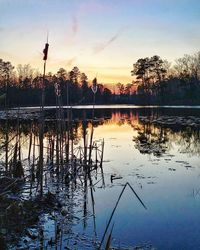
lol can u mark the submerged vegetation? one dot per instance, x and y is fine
(73, 171)
(69, 164)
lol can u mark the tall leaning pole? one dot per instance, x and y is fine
(41, 131)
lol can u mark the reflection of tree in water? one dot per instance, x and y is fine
(26, 127)
(188, 140)
(157, 139)
(151, 140)
(78, 173)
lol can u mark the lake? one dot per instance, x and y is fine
(157, 151)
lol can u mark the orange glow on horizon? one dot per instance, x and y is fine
(104, 75)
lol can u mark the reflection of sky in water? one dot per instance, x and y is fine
(164, 183)
(167, 184)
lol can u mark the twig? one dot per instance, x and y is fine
(108, 224)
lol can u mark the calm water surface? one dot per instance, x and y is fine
(161, 161)
(167, 182)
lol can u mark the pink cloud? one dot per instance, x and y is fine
(104, 45)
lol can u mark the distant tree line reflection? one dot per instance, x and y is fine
(156, 133)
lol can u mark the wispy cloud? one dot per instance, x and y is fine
(75, 25)
(99, 48)
(103, 46)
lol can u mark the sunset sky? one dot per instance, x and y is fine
(101, 37)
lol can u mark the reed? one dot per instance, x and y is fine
(115, 207)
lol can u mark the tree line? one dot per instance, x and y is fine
(23, 86)
(155, 81)
(160, 82)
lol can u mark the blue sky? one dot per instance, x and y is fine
(99, 36)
